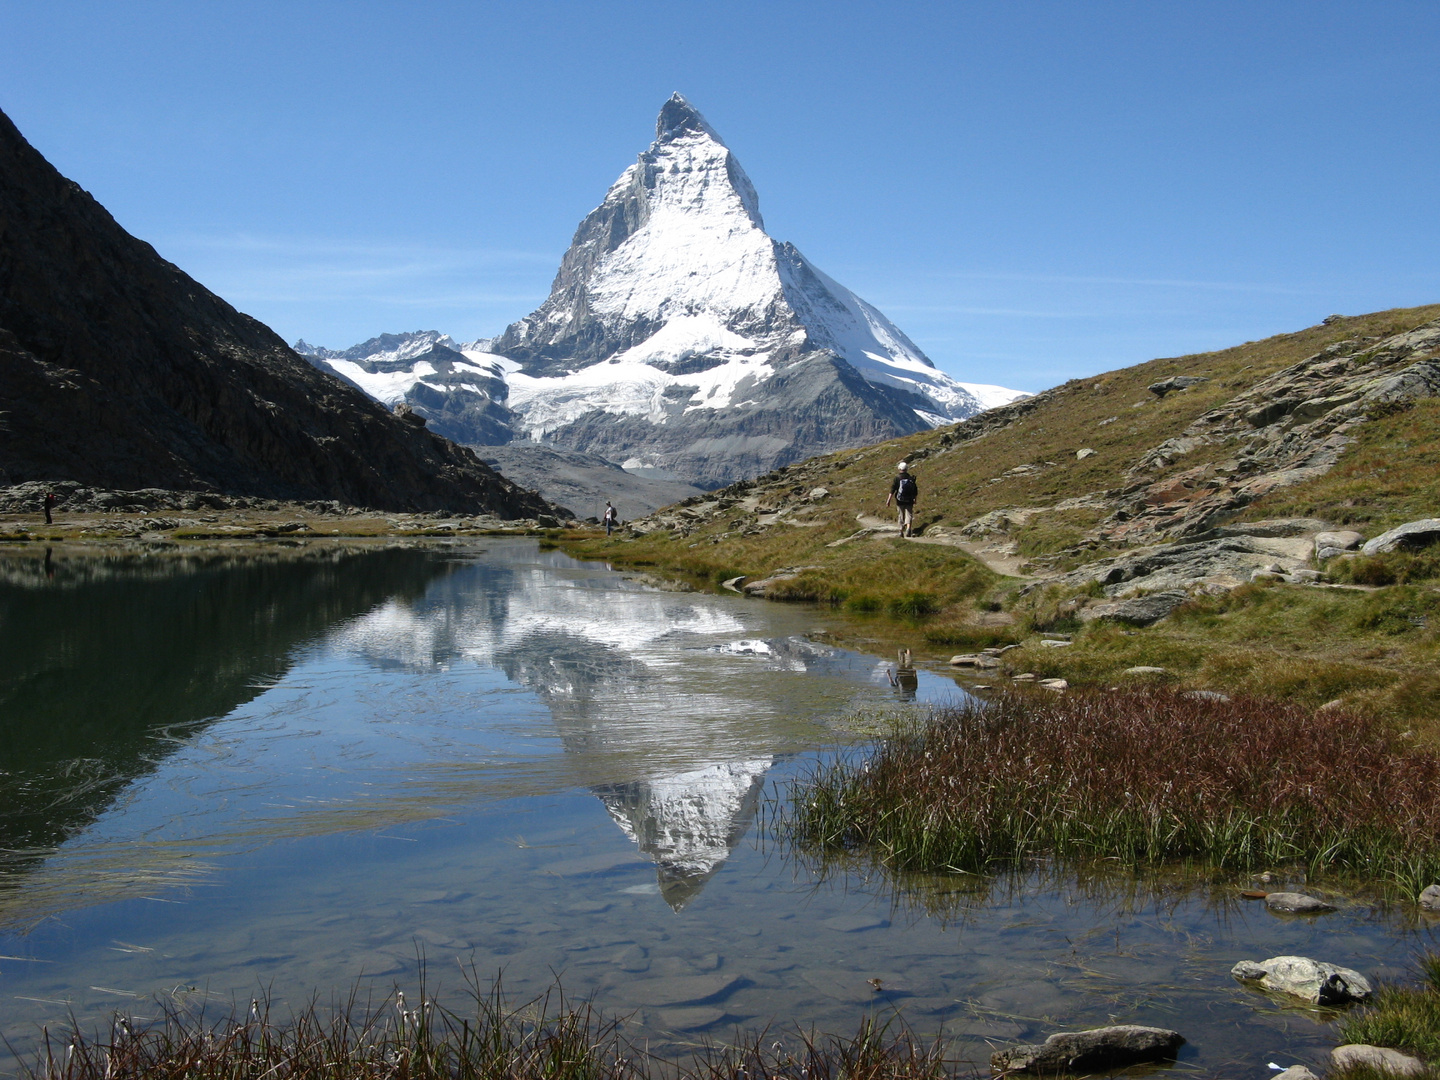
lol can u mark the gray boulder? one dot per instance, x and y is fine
(1379, 1058)
(1331, 543)
(1138, 610)
(1413, 534)
(1295, 903)
(1430, 898)
(1294, 1072)
(1314, 980)
(1090, 1051)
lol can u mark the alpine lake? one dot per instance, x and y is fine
(305, 769)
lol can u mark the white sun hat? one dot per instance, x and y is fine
(902, 466)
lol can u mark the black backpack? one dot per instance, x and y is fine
(907, 489)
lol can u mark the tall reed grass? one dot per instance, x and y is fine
(1137, 777)
(549, 1038)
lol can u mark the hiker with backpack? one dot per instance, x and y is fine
(903, 491)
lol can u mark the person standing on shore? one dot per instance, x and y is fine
(49, 506)
(903, 492)
(611, 517)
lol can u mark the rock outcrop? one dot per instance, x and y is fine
(1283, 430)
(119, 371)
(1413, 534)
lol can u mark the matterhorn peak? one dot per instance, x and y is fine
(678, 117)
(679, 337)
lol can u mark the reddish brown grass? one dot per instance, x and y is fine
(1137, 776)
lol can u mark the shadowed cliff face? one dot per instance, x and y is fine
(118, 370)
(110, 662)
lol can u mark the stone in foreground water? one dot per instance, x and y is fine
(1314, 980)
(1087, 1051)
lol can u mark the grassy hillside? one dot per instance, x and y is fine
(1021, 461)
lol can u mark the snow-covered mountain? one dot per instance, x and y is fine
(678, 335)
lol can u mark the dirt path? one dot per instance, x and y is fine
(1000, 558)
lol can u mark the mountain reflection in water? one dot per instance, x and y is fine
(657, 719)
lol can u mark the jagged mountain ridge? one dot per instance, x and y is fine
(118, 370)
(679, 335)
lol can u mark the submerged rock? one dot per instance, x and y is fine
(1314, 980)
(1295, 1072)
(1379, 1058)
(1296, 903)
(1089, 1051)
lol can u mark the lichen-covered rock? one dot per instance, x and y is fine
(1430, 898)
(1090, 1051)
(1313, 980)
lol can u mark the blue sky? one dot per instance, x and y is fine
(1033, 191)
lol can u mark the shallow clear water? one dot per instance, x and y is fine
(303, 769)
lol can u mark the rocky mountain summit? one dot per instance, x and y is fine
(118, 371)
(678, 336)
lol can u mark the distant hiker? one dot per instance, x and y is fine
(49, 505)
(903, 490)
(611, 518)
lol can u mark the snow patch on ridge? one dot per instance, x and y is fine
(387, 387)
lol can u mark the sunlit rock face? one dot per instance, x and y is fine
(688, 822)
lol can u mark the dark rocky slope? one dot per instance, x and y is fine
(120, 371)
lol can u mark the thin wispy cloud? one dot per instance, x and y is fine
(1156, 283)
(320, 247)
(258, 270)
(1009, 313)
